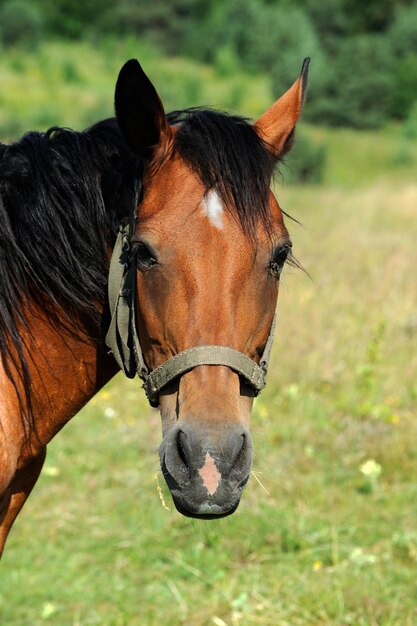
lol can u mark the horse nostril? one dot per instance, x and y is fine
(243, 482)
(242, 455)
(181, 447)
(237, 449)
(175, 459)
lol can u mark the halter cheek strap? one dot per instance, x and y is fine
(123, 341)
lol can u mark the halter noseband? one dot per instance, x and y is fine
(123, 341)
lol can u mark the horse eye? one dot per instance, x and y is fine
(144, 257)
(278, 260)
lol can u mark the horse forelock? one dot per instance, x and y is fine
(228, 156)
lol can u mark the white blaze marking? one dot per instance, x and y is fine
(210, 474)
(213, 208)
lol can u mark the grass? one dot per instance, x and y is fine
(328, 542)
(360, 158)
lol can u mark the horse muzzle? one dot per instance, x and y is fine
(206, 469)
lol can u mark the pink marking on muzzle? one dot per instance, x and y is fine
(210, 474)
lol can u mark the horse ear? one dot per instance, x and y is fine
(276, 126)
(139, 111)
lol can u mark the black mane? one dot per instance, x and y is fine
(62, 196)
(228, 155)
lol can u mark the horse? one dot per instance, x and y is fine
(173, 215)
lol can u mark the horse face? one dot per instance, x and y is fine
(202, 279)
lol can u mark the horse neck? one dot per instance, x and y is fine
(66, 371)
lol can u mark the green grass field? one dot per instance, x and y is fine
(326, 533)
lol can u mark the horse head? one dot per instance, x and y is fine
(208, 247)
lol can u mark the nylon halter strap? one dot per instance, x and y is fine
(123, 341)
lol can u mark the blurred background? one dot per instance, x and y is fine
(326, 531)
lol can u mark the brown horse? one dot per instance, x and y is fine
(207, 248)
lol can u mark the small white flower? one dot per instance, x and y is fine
(371, 469)
(360, 558)
(50, 470)
(48, 609)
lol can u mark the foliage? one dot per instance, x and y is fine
(370, 16)
(358, 85)
(74, 18)
(39, 90)
(402, 37)
(162, 23)
(306, 162)
(411, 124)
(363, 71)
(402, 30)
(21, 23)
(404, 86)
(293, 34)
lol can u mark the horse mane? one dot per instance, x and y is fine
(228, 155)
(63, 195)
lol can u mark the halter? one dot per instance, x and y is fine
(123, 341)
